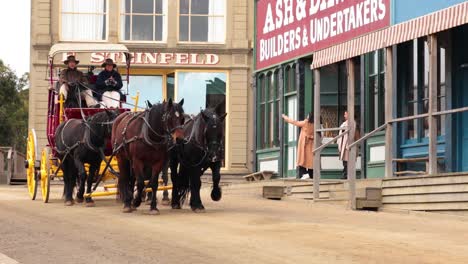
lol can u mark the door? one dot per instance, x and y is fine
(290, 137)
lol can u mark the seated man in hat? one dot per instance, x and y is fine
(71, 76)
(108, 85)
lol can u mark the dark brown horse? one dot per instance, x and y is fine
(142, 140)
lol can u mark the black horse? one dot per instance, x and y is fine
(202, 149)
(78, 142)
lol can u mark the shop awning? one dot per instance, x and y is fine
(432, 23)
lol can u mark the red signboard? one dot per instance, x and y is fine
(290, 28)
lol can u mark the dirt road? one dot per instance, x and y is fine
(241, 228)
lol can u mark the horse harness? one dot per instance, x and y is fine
(144, 135)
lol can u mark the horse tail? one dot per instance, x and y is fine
(123, 182)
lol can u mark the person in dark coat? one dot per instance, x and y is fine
(108, 85)
(71, 76)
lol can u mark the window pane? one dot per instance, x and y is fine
(183, 28)
(217, 7)
(198, 28)
(125, 6)
(83, 27)
(143, 6)
(150, 88)
(216, 29)
(83, 6)
(159, 28)
(170, 86)
(200, 7)
(159, 6)
(184, 6)
(142, 28)
(125, 26)
(203, 89)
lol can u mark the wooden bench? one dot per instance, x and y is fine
(258, 176)
(401, 161)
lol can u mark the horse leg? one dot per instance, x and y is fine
(195, 185)
(124, 183)
(173, 164)
(216, 193)
(165, 178)
(67, 178)
(82, 179)
(156, 169)
(138, 169)
(89, 183)
(147, 195)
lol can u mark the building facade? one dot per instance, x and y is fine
(398, 67)
(197, 50)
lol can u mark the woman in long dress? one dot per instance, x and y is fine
(305, 145)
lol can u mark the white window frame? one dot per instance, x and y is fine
(154, 14)
(106, 28)
(189, 26)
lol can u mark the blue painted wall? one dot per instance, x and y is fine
(404, 10)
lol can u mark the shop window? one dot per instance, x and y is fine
(202, 21)
(268, 110)
(84, 20)
(143, 20)
(201, 90)
(149, 87)
(375, 89)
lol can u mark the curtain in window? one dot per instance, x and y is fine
(83, 20)
(216, 27)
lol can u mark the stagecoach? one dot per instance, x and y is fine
(44, 166)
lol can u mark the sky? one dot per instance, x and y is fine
(15, 19)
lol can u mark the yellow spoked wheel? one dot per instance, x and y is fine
(31, 152)
(46, 172)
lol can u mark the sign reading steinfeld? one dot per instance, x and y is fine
(291, 28)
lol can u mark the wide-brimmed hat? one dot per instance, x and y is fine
(71, 58)
(109, 62)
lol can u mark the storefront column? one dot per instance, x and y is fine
(389, 112)
(352, 126)
(317, 134)
(433, 64)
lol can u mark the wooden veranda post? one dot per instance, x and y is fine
(317, 134)
(389, 112)
(352, 128)
(432, 120)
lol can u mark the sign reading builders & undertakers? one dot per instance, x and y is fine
(290, 28)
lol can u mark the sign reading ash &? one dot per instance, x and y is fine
(290, 28)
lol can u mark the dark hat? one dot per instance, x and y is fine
(71, 58)
(109, 62)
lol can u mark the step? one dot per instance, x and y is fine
(369, 193)
(362, 203)
(425, 180)
(310, 195)
(453, 188)
(443, 206)
(426, 198)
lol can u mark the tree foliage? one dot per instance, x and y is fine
(14, 95)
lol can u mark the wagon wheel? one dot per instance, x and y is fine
(45, 173)
(31, 152)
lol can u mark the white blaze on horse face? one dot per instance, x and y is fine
(177, 114)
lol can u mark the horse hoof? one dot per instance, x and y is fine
(79, 200)
(198, 210)
(176, 206)
(90, 204)
(69, 203)
(153, 212)
(127, 210)
(166, 202)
